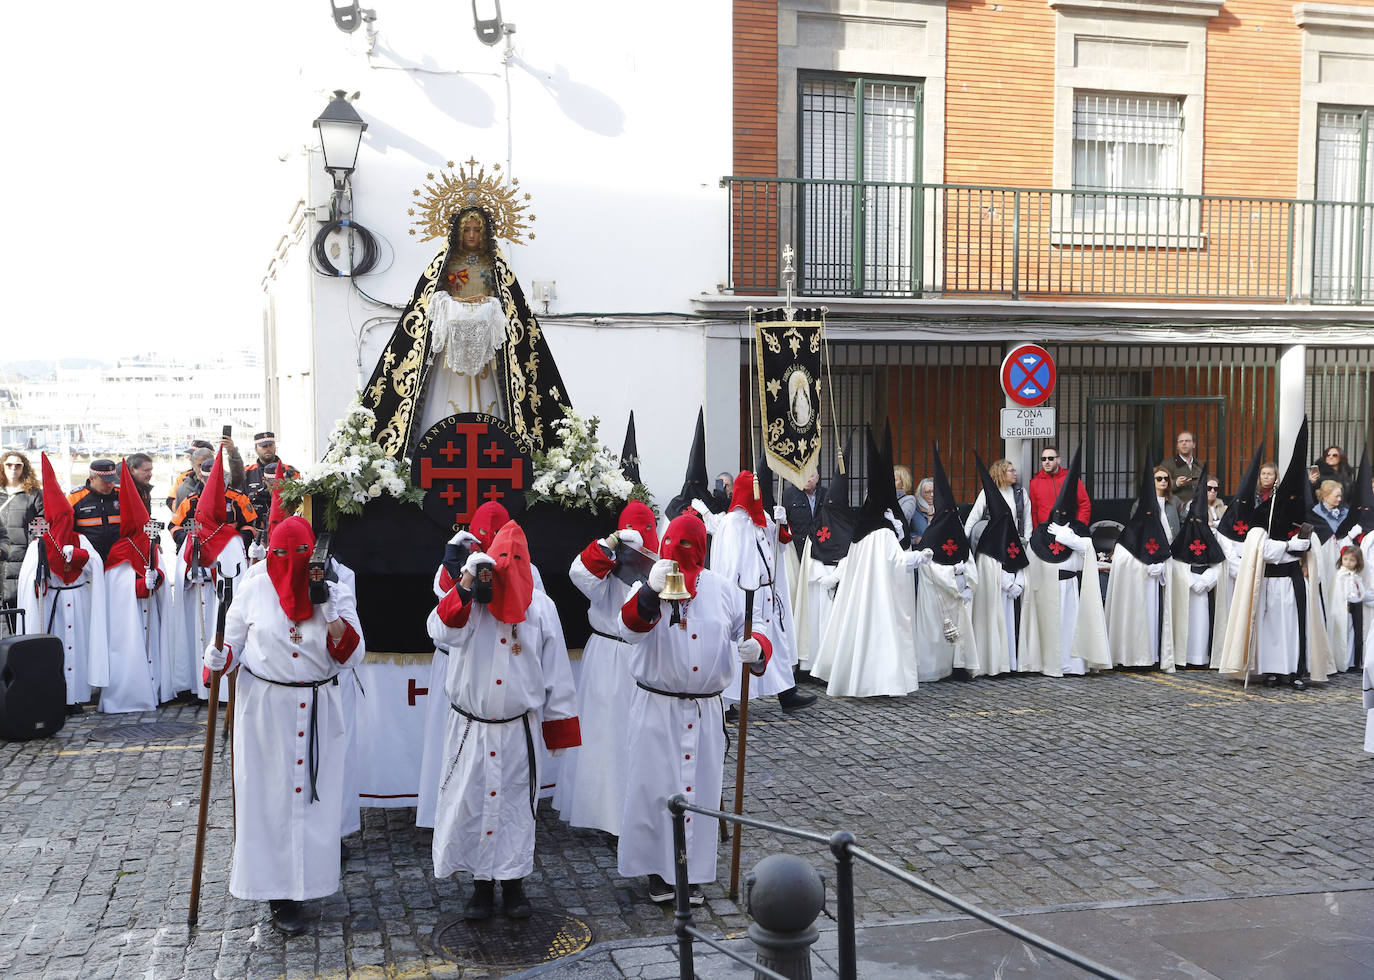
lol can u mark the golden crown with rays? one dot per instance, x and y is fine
(448, 192)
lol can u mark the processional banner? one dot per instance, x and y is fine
(789, 366)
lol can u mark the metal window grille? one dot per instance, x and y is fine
(1340, 399)
(859, 239)
(1343, 250)
(1125, 143)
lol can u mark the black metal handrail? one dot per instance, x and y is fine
(845, 851)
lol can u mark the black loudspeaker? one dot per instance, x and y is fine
(33, 693)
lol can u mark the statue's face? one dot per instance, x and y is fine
(471, 236)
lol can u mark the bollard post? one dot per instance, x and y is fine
(682, 908)
(784, 895)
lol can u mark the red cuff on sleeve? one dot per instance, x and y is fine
(759, 666)
(629, 614)
(562, 733)
(342, 648)
(228, 662)
(784, 533)
(596, 561)
(453, 611)
(445, 579)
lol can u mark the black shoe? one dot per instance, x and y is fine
(74, 709)
(483, 899)
(732, 715)
(792, 700)
(659, 890)
(694, 896)
(1297, 683)
(513, 899)
(1271, 680)
(288, 917)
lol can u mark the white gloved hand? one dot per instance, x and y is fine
(915, 559)
(961, 567)
(477, 561)
(630, 537)
(1354, 532)
(331, 604)
(700, 507)
(1296, 545)
(150, 578)
(828, 580)
(1198, 586)
(214, 659)
(750, 651)
(68, 551)
(257, 551)
(465, 538)
(1157, 570)
(658, 575)
(1011, 586)
(1062, 533)
(896, 524)
(780, 514)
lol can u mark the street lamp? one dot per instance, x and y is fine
(341, 130)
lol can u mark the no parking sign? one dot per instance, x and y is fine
(1028, 375)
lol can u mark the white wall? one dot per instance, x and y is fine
(619, 129)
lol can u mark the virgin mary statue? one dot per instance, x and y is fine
(467, 342)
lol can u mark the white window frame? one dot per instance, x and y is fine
(1176, 30)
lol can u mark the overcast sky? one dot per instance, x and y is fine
(144, 191)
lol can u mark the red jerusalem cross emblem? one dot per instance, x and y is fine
(465, 460)
(1197, 547)
(1240, 527)
(823, 535)
(1013, 550)
(1152, 546)
(949, 547)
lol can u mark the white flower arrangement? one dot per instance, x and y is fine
(579, 472)
(354, 471)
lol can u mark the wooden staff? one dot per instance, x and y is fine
(208, 758)
(745, 671)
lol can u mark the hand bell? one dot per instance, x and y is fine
(675, 587)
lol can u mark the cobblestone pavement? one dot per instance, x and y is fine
(1023, 793)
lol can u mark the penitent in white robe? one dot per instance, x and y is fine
(1146, 617)
(194, 616)
(594, 776)
(488, 788)
(76, 614)
(139, 654)
(1063, 629)
(745, 553)
(679, 742)
(815, 599)
(1348, 588)
(437, 711)
(994, 618)
(868, 647)
(938, 601)
(286, 846)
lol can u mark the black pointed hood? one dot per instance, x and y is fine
(834, 526)
(881, 494)
(1144, 535)
(1292, 499)
(1361, 500)
(1195, 543)
(944, 535)
(1241, 514)
(696, 484)
(629, 454)
(1064, 511)
(999, 539)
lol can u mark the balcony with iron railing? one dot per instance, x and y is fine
(876, 239)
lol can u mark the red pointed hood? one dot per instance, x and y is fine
(275, 514)
(133, 545)
(744, 497)
(57, 511)
(513, 582)
(290, 570)
(486, 521)
(211, 514)
(638, 517)
(684, 541)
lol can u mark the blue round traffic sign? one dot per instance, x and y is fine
(1028, 375)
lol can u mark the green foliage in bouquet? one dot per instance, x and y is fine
(354, 471)
(580, 473)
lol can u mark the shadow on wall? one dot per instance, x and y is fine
(588, 107)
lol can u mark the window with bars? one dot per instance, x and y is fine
(859, 239)
(1343, 253)
(1128, 145)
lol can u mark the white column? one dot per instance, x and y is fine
(1292, 400)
